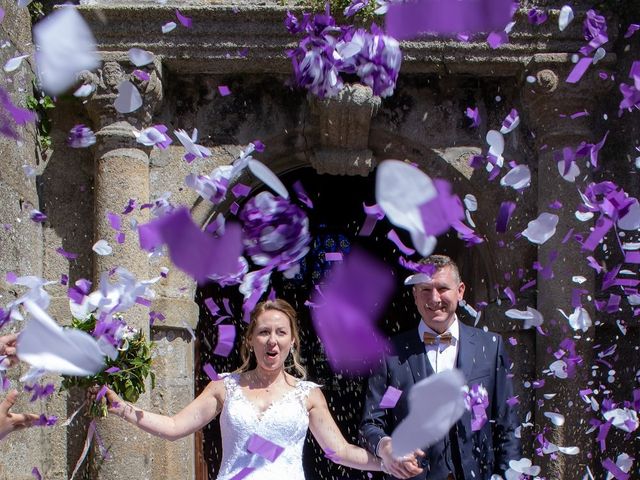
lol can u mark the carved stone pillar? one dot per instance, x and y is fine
(546, 102)
(344, 123)
(122, 173)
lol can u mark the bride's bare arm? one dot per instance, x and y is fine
(191, 418)
(328, 435)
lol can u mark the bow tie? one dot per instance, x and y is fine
(430, 339)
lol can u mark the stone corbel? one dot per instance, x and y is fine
(343, 128)
(110, 125)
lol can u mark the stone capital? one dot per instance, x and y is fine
(105, 82)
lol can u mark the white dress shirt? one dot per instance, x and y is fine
(442, 357)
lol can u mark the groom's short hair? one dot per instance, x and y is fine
(441, 261)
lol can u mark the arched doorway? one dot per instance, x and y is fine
(335, 222)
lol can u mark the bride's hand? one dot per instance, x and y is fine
(115, 404)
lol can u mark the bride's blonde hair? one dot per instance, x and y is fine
(285, 308)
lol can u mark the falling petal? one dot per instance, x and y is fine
(101, 247)
(565, 17)
(266, 175)
(140, 57)
(65, 46)
(44, 344)
(435, 405)
(542, 228)
(518, 177)
(169, 26)
(129, 98)
(14, 63)
(556, 418)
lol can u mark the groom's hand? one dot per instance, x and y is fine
(400, 467)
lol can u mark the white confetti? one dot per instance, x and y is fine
(565, 17)
(542, 228)
(14, 63)
(129, 99)
(101, 247)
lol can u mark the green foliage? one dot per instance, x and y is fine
(134, 361)
(36, 10)
(337, 7)
(40, 104)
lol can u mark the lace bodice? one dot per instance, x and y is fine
(284, 423)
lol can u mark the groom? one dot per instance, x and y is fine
(441, 343)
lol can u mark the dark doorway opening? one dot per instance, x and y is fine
(335, 222)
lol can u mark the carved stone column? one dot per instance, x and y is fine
(122, 173)
(344, 123)
(545, 102)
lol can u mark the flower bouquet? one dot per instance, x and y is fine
(127, 366)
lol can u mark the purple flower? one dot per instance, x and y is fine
(45, 421)
(328, 50)
(477, 400)
(38, 391)
(378, 62)
(275, 231)
(81, 137)
(593, 25)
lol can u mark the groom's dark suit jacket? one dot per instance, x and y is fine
(482, 359)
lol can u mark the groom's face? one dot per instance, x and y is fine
(437, 300)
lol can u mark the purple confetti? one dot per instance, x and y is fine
(390, 397)
(243, 473)
(185, 21)
(495, 39)
(263, 447)
(536, 16)
(226, 339)
(64, 279)
(579, 70)
(393, 236)
(224, 90)
(240, 190)
(474, 115)
(141, 75)
(616, 471)
(36, 473)
(333, 256)
(504, 215)
(302, 194)
(111, 370)
(114, 220)
(211, 373)
(633, 28)
(211, 305)
(406, 20)
(37, 216)
(345, 314)
(191, 250)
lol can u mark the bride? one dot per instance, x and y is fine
(261, 405)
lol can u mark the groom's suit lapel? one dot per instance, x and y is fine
(466, 350)
(418, 361)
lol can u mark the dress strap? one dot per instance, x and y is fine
(304, 388)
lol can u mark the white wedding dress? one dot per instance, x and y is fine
(284, 423)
